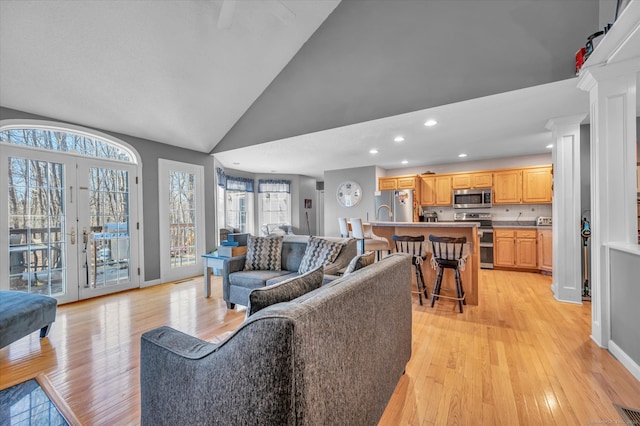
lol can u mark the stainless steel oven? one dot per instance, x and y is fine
(485, 233)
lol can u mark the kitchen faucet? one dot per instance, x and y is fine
(378, 211)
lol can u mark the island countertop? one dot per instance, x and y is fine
(469, 230)
(425, 224)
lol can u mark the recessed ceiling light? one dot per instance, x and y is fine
(462, 155)
(405, 161)
(550, 146)
(398, 139)
(430, 122)
(236, 163)
(373, 151)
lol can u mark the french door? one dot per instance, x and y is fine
(72, 223)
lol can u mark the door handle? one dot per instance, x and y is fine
(73, 235)
(85, 236)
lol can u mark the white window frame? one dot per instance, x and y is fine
(167, 273)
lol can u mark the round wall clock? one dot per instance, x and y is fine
(349, 193)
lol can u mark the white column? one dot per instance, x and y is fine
(612, 99)
(567, 243)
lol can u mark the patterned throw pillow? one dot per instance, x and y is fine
(319, 252)
(284, 291)
(359, 262)
(263, 254)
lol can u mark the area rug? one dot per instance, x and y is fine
(34, 402)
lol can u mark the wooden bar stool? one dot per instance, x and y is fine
(413, 246)
(448, 254)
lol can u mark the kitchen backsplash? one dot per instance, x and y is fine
(501, 212)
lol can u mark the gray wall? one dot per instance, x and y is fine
(625, 295)
(366, 177)
(374, 59)
(150, 152)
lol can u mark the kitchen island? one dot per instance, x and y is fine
(471, 272)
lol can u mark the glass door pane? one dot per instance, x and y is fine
(107, 252)
(182, 218)
(39, 223)
(36, 226)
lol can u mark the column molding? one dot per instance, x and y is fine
(612, 105)
(567, 245)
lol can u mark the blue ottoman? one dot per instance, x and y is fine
(23, 313)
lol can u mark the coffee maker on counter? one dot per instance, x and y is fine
(426, 216)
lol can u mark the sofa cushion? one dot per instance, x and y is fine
(359, 262)
(285, 291)
(255, 279)
(319, 252)
(263, 253)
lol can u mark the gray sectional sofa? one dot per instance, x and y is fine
(332, 356)
(238, 283)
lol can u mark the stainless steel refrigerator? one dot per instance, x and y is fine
(394, 206)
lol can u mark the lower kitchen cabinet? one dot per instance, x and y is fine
(545, 250)
(515, 248)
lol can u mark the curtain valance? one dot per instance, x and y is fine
(274, 185)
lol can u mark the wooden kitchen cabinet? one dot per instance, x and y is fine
(461, 181)
(504, 247)
(398, 182)
(387, 183)
(515, 248)
(537, 185)
(427, 191)
(507, 186)
(444, 196)
(435, 190)
(526, 249)
(407, 182)
(472, 180)
(545, 250)
(482, 180)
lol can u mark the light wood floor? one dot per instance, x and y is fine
(519, 357)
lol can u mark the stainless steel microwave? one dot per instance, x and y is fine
(472, 198)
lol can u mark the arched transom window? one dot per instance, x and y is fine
(65, 141)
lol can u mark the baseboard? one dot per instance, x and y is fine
(150, 283)
(625, 359)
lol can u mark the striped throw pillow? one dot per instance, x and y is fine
(263, 254)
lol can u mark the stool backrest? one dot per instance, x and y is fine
(409, 244)
(447, 248)
(356, 228)
(344, 228)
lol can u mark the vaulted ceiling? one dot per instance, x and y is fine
(218, 76)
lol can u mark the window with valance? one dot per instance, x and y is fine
(274, 197)
(273, 185)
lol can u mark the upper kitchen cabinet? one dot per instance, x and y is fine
(386, 183)
(537, 185)
(481, 180)
(398, 182)
(507, 187)
(529, 185)
(427, 191)
(472, 180)
(444, 195)
(435, 190)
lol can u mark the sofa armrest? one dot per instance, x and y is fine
(178, 343)
(183, 378)
(233, 264)
(348, 252)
